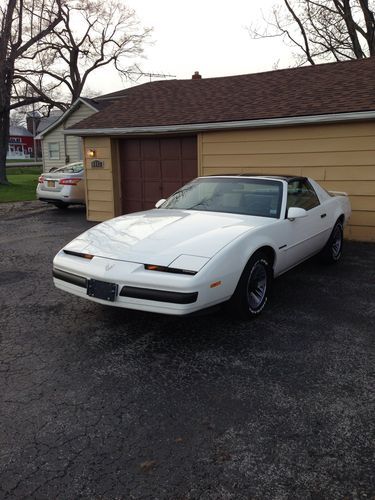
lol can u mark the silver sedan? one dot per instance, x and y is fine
(64, 186)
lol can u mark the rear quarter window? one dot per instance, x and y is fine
(302, 195)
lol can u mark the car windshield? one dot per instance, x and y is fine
(260, 197)
(71, 168)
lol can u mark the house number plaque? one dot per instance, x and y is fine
(97, 164)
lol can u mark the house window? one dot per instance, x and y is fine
(54, 150)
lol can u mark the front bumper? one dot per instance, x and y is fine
(138, 288)
(132, 291)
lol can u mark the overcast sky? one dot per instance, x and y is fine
(208, 36)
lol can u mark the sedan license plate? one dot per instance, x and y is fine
(51, 184)
(102, 290)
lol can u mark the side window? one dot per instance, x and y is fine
(54, 150)
(301, 195)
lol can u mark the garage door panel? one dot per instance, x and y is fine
(150, 149)
(189, 170)
(130, 206)
(148, 205)
(152, 169)
(169, 172)
(189, 148)
(133, 149)
(133, 169)
(132, 189)
(170, 149)
(151, 192)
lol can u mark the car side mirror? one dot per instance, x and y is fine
(296, 213)
(159, 203)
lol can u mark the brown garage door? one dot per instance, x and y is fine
(154, 168)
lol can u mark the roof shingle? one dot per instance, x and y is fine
(341, 87)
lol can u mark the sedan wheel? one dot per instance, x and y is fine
(251, 294)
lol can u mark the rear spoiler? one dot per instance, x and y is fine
(337, 193)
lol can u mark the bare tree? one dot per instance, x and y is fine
(93, 34)
(17, 118)
(323, 30)
(51, 47)
(23, 23)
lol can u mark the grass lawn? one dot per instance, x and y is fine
(26, 161)
(23, 184)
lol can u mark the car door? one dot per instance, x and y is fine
(302, 237)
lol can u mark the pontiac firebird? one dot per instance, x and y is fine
(217, 239)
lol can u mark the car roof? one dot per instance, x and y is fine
(287, 178)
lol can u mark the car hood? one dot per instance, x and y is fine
(160, 236)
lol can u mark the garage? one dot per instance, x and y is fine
(154, 168)
(155, 137)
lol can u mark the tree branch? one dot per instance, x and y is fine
(306, 48)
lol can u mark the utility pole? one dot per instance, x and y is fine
(34, 133)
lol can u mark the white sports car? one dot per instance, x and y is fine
(217, 239)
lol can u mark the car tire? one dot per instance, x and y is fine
(332, 251)
(61, 205)
(251, 294)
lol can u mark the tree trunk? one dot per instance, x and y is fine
(15, 40)
(4, 124)
(6, 77)
(4, 139)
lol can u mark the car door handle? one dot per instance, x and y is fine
(323, 215)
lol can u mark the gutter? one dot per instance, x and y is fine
(232, 125)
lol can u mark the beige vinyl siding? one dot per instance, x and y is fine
(70, 146)
(100, 203)
(55, 136)
(116, 170)
(74, 144)
(341, 157)
(73, 147)
(80, 113)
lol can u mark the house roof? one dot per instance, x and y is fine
(326, 89)
(47, 121)
(97, 103)
(19, 131)
(92, 103)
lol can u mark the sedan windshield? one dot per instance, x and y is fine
(260, 197)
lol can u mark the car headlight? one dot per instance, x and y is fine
(184, 264)
(165, 269)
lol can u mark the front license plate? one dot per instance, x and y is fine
(102, 290)
(51, 184)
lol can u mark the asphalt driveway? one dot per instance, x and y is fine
(97, 402)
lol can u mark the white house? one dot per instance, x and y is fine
(59, 149)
